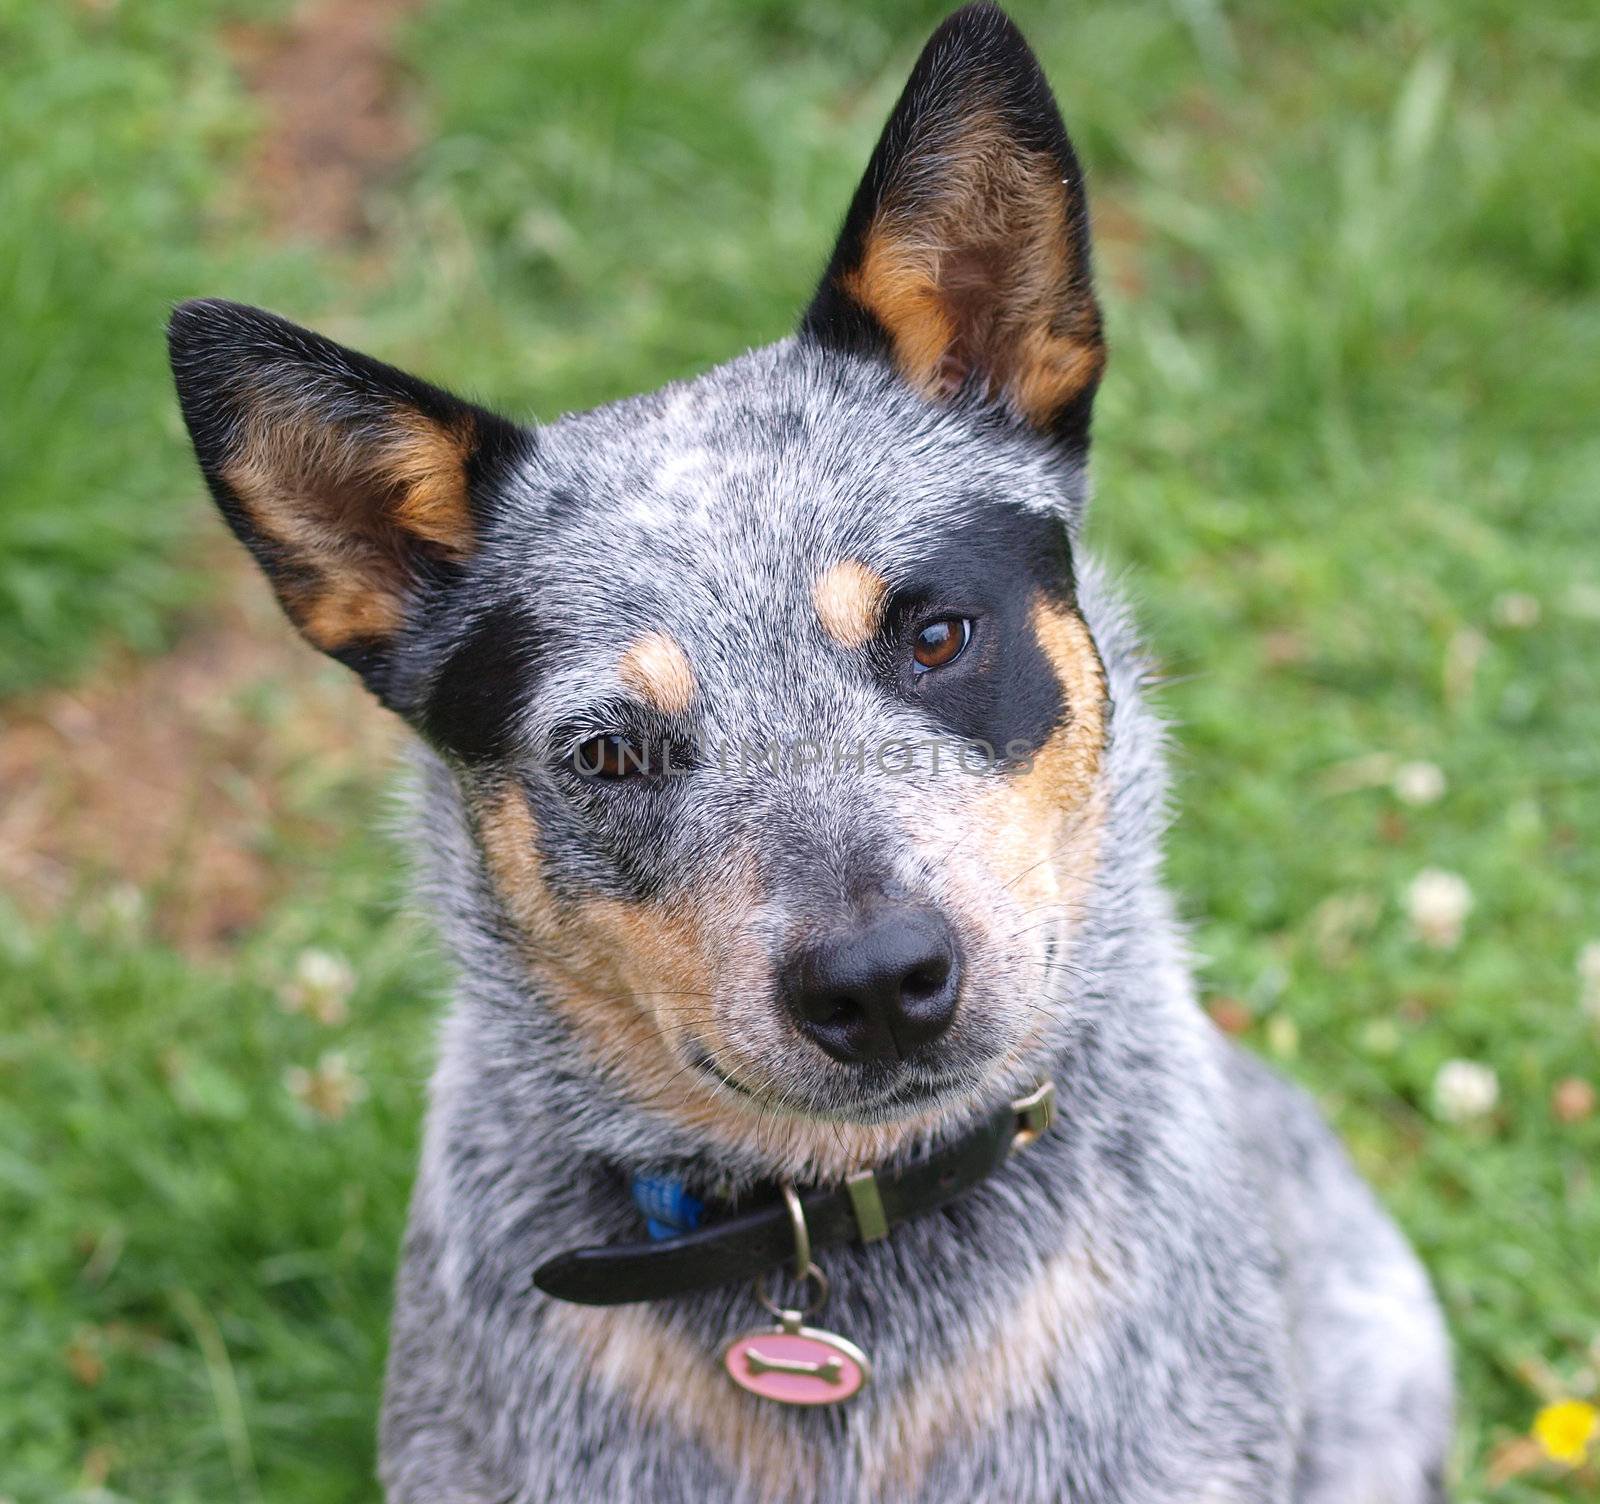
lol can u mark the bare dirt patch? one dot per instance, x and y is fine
(173, 780)
(338, 122)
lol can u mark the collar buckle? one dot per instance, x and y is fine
(1035, 1113)
(872, 1222)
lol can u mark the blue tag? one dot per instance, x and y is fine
(667, 1207)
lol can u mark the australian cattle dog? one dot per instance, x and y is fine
(824, 1112)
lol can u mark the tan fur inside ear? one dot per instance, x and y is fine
(427, 466)
(343, 505)
(357, 606)
(969, 268)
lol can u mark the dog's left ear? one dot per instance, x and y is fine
(361, 491)
(965, 254)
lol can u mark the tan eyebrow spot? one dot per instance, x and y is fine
(657, 670)
(849, 598)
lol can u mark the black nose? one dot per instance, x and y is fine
(879, 988)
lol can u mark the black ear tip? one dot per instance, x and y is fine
(979, 46)
(200, 324)
(982, 12)
(980, 26)
(187, 324)
(195, 315)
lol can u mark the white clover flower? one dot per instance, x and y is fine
(1465, 1090)
(329, 1089)
(1419, 783)
(1438, 904)
(320, 987)
(1516, 609)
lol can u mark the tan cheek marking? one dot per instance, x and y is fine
(629, 980)
(608, 959)
(1044, 825)
(657, 670)
(625, 977)
(679, 1384)
(1002, 1370)
(849, 600)
(977, 273)
(510, 840)
(1065, 770)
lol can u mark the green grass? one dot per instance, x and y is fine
(1351, 257)
(123, 125)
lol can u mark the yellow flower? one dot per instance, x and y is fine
(1565, 1430)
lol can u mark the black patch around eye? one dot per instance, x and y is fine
(1002, 690)
(658, 749)
(480, 693)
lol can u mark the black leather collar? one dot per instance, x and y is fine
(742, 1246)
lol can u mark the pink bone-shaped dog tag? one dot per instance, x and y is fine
(796, 1365)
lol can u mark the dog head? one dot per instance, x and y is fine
(766, 697)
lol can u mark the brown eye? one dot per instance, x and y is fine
(940, 642)
(610, 756)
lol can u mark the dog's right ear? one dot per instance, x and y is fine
(359, 490)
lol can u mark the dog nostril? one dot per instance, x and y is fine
(925, 980)
(846, 1012)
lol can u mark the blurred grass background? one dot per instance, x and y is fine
(1348, 451)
